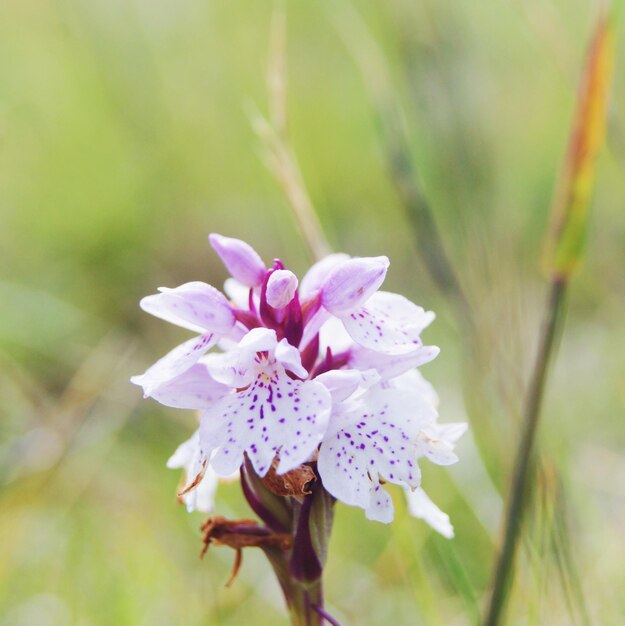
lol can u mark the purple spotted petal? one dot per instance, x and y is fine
(374, 438)
(352, 282)
(388, 323)
(196, 306)
(275, 414)
(240, 259)
(179, 360)
(380, 507)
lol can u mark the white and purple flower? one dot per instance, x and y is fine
(320, 371)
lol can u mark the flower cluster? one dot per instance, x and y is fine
(319, 371)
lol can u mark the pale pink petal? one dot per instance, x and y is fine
(281, 288)
(352, 282)
(343, 383)
(388, 323)
(240, 259)
(179, 360)
(274, 415)
(420, 505)
(193, 389)
(196, 306)
(391, 365)
(316, 275)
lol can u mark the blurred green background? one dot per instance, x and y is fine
(125, 138)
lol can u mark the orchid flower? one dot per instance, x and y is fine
(312, 396)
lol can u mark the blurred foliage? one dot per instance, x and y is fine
(125, 138)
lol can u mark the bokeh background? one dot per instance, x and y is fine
(125, 138)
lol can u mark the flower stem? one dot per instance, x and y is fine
(525, 456)
(303, 600)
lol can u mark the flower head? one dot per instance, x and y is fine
(318, 372)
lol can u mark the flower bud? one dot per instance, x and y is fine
(240, 259)
(281, 288)
(351, 283)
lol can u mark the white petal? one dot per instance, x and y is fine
(190, 456)
(235, 367)
(437, 442)
(391, 365)
(238, 293)
(184, 453)
(380, 507)
(193, 389)
(375, 437)
(413, 380)
(317, 274)
(420, 505)
(388, 323)
(343, 383)
(274, 415)
(450, 432)
(180, 359)
(333, 335)
(202, 498)
(259, 340)
(196, 306)
(436, 450)
(290, 358)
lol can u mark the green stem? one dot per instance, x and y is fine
(525, 457)
(301, 598)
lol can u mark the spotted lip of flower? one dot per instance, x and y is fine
(272, 396)
(268, 413)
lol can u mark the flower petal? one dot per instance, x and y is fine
(196, 306)
(281, 288)
(343, 383)
(420, 505)
(374, 438)
(290, 358)
(414, 381)
(193, 389)
(391, 365)
(351, 283)
(235, 367)
(275, 414)
(380, 507)
(179, 360)
(240, 259)
(316, 275)
(388, 323)
(201, 481)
